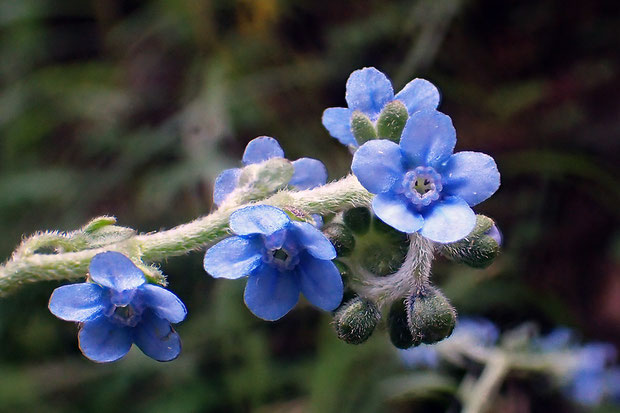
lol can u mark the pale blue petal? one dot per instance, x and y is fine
(472, 176)
(260, 149)
(77, 302)
(377, 164)
(368, 90)
(163, 303)
(156, 338)
(309, 173)
(320, 282)
(337, 121)
(419, 94)
(113, 270)
(313, 240)
(428, 138)
(103, 341)
(259, 219)
(234, 257)
(396, 211)
(448, 220)
(225, 183)
(270, 294)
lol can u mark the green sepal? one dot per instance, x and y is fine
(398, 325)
(340, 237)
(98, 223)
(362, 128)
(431, 316)
(392, 121)
(477, 250)
(356, 320)
(357, 219)
(262, 179)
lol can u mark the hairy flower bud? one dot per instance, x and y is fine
(340, 237)
(362, 127)
(357, 220)
(431, 316)
(479, 248)
(398, 326)
(356, 320)
(392, 121)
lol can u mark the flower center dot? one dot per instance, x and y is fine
(422, 186)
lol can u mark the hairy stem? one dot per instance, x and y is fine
(152, 247)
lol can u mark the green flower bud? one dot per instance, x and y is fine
(340, 237)
(357, 220)
(362, 128)
(392, 121)
(356, 320)
(398, 326)
(478, 249)
(431, 316)
(383, 258)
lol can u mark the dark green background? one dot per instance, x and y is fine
(131, 108)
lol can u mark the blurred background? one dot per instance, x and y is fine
(131, 108)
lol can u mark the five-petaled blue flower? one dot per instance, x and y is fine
(368, 91)
(281, 258)
(119, 308)
(420, 184)
(309, 173)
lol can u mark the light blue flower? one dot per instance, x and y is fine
(593, 380)
(424, 355)
(281, 258)
(420, 185)
(119, 308)
(309, 173)
(368, 91)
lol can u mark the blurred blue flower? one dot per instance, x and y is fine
(368, 91)
(281, 258)
(119, 308)
(559, 338)
(424, 355)
(593, 380)
(420, 185)
(309, 173)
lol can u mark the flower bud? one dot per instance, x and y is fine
(383, 258)
(357, 220)
(340, 237)
(356, 320)
(398, 326)
(392, 121)
(431, 316)
(362, 128)
(479, 248)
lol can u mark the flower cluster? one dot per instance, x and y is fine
(281, 258)
(118, 308)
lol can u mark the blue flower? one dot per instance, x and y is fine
(309, 173)
(281, 258)
(592, 379)
(420, 184)
(119, 308)
(368, 91)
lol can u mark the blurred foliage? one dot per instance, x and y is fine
(131, 109)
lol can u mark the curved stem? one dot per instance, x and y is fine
(333, 197)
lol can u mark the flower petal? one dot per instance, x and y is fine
(225, 183)
(419, 94)
(77, 302)
(368, 90)
(156, 338)
(337, 121)
(270, 294)
(260, 149)
(114, 270)
(102, 341)
(233, 257)
(448, 220)
(472, 176)
(377, 164)
(163, 303)
(320, 282)
(395, 210)
(313, 241)
(428, 138)
(309, 173)
(259, 219)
